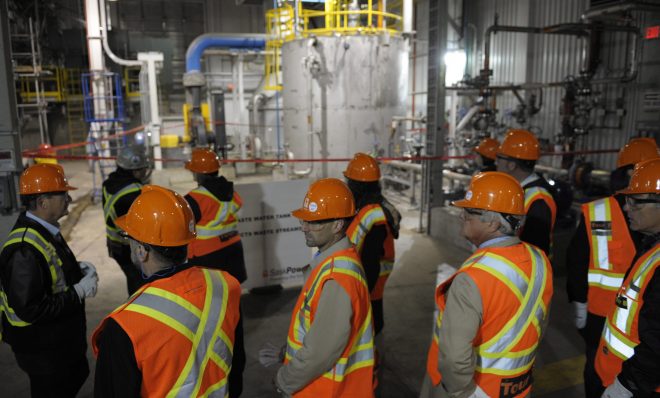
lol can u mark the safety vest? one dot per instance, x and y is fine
(110, 214)
(515, 284)
(620, 334)
(34, 238)
(532, 194)
(218, 221)
(611, 253)
(182, 332)
(352, 375)
(368, 217)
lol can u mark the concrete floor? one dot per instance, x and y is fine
(408, 306)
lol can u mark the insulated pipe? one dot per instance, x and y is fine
(621, 6)
(407, 16)
(208, 40)
(106, 46)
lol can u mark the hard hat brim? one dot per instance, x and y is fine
(121, 223)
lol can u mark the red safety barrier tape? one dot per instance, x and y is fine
(383, 159)
(36, 152)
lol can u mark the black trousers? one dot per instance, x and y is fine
(60, 382)
(593, 387)
(122, 255)
(235, 378)
(377, 312)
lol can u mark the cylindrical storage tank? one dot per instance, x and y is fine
(339, 96)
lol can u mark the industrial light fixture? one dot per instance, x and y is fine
(455, 61)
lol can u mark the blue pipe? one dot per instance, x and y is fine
(201, 43)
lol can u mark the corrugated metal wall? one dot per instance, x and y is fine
(521, 58)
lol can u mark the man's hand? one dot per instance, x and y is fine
(580, 314)
(86, 267)
(479, 393)
(616, 390)
(270, 355)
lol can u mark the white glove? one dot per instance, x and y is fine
(270, 355)
(479, 393)
(580, 314)
(86, 267)
(87, 286)
(616, 390)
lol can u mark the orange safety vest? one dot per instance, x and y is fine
(368, 217)
(515, 284)
(217, 228)
(620, 334)
(611, 252)
(532, 194)
(352, 375)
(182, 331)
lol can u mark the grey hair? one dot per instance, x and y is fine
(505, 226)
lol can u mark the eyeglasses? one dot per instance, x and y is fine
(471, 212)
(314, 225)
(636, 203)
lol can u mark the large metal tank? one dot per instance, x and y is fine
(340, 94)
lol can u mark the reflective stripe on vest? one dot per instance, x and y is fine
(495, 356)
(221, 223)
(618, 332)
(360, 227)
(208, 343)
(600, 211)
(361, 354)
(109, 212)
(365, 223)
(539, 193)
(58, 283)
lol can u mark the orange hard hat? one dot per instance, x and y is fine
(645, 178)
(494, 191)
(159, 217)
(44, 178)
(203, 160)
(326, 199)
(362, 168)
(520, 144)
(637, 150)
(487, 148)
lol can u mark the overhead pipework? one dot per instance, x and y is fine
(194, 80)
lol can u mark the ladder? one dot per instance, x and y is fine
(26, 57)
(104, 111)
(75, 117)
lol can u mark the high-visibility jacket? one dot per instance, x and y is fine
(620, 334)
(611, 253)
(368, 217)
(218, 227)
(58, 282)
(352, 375)
(182, 332)
(109, 212)
(534, 193)
(515, 284)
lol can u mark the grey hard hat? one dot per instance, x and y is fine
(132, 158)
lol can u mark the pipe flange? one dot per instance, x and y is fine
(194, 79)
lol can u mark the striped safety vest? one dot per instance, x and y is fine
(368, 217)
(218, 219)
(621, 334)
(515, 284)
(532, 194)
(189, 320)
(611, 253)
(110, 214)
(34, 238)
(352, 375)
